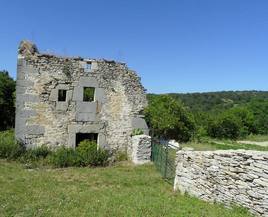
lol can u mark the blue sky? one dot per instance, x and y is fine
(174, 45)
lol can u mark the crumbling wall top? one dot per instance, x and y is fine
(27, 48)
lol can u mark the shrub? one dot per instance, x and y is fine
(226, 126)
(36, 153)
(120, 156)
(86, 154)
(169, 119)
(9, 148)
(64, 157)
(91, 155)
(136, 132)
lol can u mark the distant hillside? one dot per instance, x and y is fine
(217, 100)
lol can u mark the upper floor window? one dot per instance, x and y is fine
(62, 95)
(88, 66)
(88, 94)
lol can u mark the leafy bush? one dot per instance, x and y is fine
(86, 154)
(226, 126)
(91, 155)
(136, 132)
(9, 148)
(120, 156)
(64, 157)
(7, 98)
(259, 108)
(168, 118)
(36, 153)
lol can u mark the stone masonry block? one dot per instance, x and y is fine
(86, 107)
(85, 117)
(141, 149)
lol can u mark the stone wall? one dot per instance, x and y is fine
(42, 119)
(239, 177)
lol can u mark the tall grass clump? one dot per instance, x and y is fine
(36, 154)
(9, 148)
(91, 154)
(64, 157)
(86, 154)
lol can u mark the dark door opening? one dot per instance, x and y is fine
(86, 136)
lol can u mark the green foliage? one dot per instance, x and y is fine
(37, 153)
(64, 157)
(121, 156)
(259, 108)
(225, 126)
(88, 94)
(136, 132)
(91, 155)
(168, 118)
(7, 98)
(216, 102)
(86, 154)
(247, 110)
(10, 149)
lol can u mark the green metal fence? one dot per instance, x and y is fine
(164, 159)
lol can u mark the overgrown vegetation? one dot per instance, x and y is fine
(10, 149)
(87, 153)
(168, 118)
(136, 132)
(7, 99)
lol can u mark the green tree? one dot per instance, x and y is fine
(7, 98)
(225, 126)
(259, 108)
(169, 119)
(246, 119)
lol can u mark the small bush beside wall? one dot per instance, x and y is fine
(64, 157)
(10, 149)
(86, 154)
(91, 155)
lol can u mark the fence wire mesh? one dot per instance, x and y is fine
(163, 157)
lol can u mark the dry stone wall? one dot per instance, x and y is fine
(239, 177)
(42, 119)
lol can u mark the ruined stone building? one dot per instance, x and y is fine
(62, 100)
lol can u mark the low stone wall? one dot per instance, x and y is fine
(239, 177)
(141, 149)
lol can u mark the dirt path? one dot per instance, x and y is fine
(264, 144)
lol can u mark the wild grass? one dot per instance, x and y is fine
(208, 144)
(257, 138)
(121, 190)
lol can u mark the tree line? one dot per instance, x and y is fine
(230, 115)
(7, 101)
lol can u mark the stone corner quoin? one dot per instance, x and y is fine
(63, 100)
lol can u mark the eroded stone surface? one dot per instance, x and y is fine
(42, 119)
(225, 176)
(141, 149)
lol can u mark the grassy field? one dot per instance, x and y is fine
(121, 190)
(257, 138)
(214, 144)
